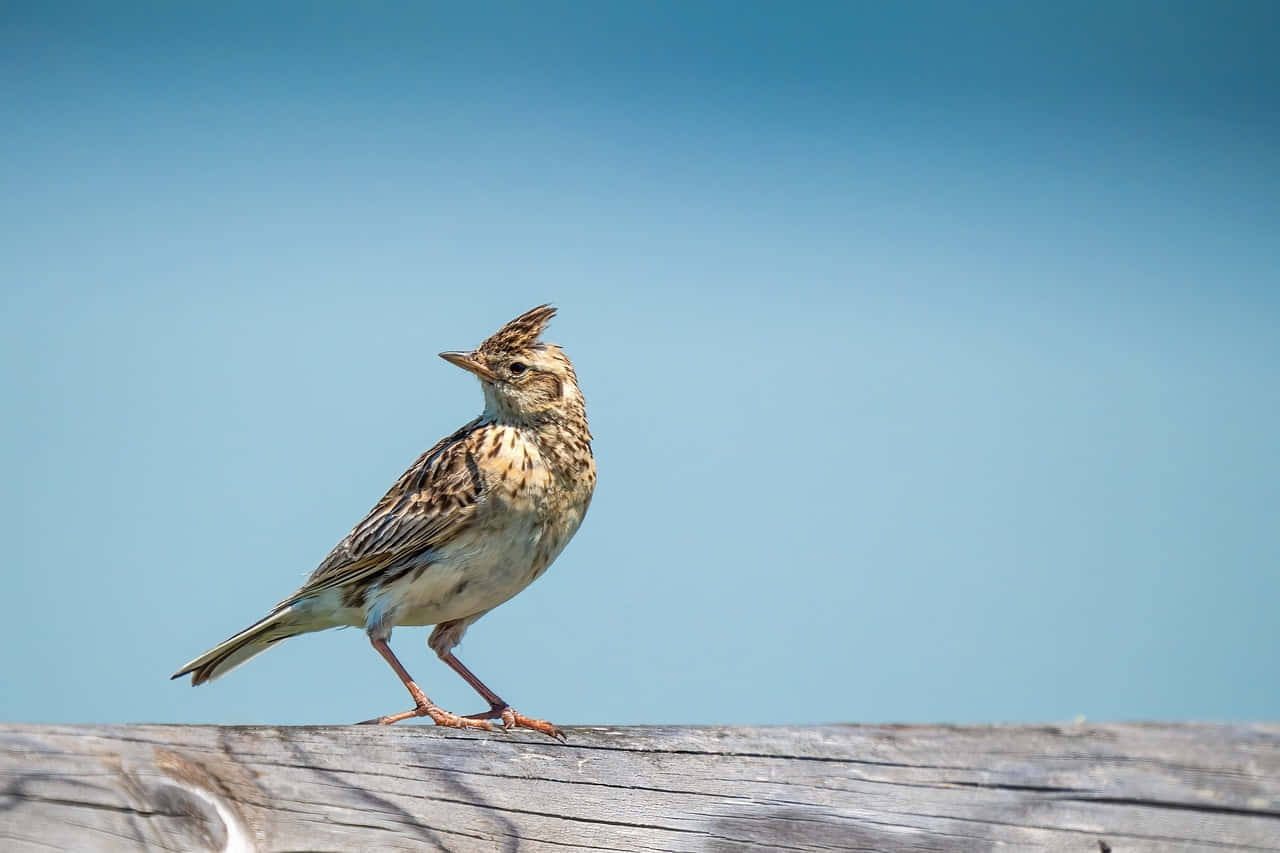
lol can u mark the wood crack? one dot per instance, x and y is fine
(1208, 808)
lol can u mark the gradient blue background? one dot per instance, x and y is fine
(932, 349)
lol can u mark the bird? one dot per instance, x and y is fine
(470, 524)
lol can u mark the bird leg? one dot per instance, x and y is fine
(423, 707)
(498, 709)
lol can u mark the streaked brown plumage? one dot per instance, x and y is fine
(474, 520)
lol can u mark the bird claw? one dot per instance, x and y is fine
(438, 715)
(513, 719)
(510, 717)
(441, 717)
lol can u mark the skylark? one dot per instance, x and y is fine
(473, 522)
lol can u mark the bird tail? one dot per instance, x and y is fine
(249, 643)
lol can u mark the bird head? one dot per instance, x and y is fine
(524, 380)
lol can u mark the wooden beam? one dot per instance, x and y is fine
(1134, 787)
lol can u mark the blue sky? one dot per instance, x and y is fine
(930, 349)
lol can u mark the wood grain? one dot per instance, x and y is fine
(1137, 787)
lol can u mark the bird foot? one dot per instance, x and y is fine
(513, 719)
(438, 715)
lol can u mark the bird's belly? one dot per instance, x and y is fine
(475, 572)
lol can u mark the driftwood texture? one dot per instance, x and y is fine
(1135, 787)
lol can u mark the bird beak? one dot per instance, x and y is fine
(467, 362)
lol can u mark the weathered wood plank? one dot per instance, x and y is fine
(1139, 787)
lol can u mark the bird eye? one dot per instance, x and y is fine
(518, 367)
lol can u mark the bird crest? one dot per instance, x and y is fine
(521, 333)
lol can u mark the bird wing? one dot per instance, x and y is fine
(429, 504)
